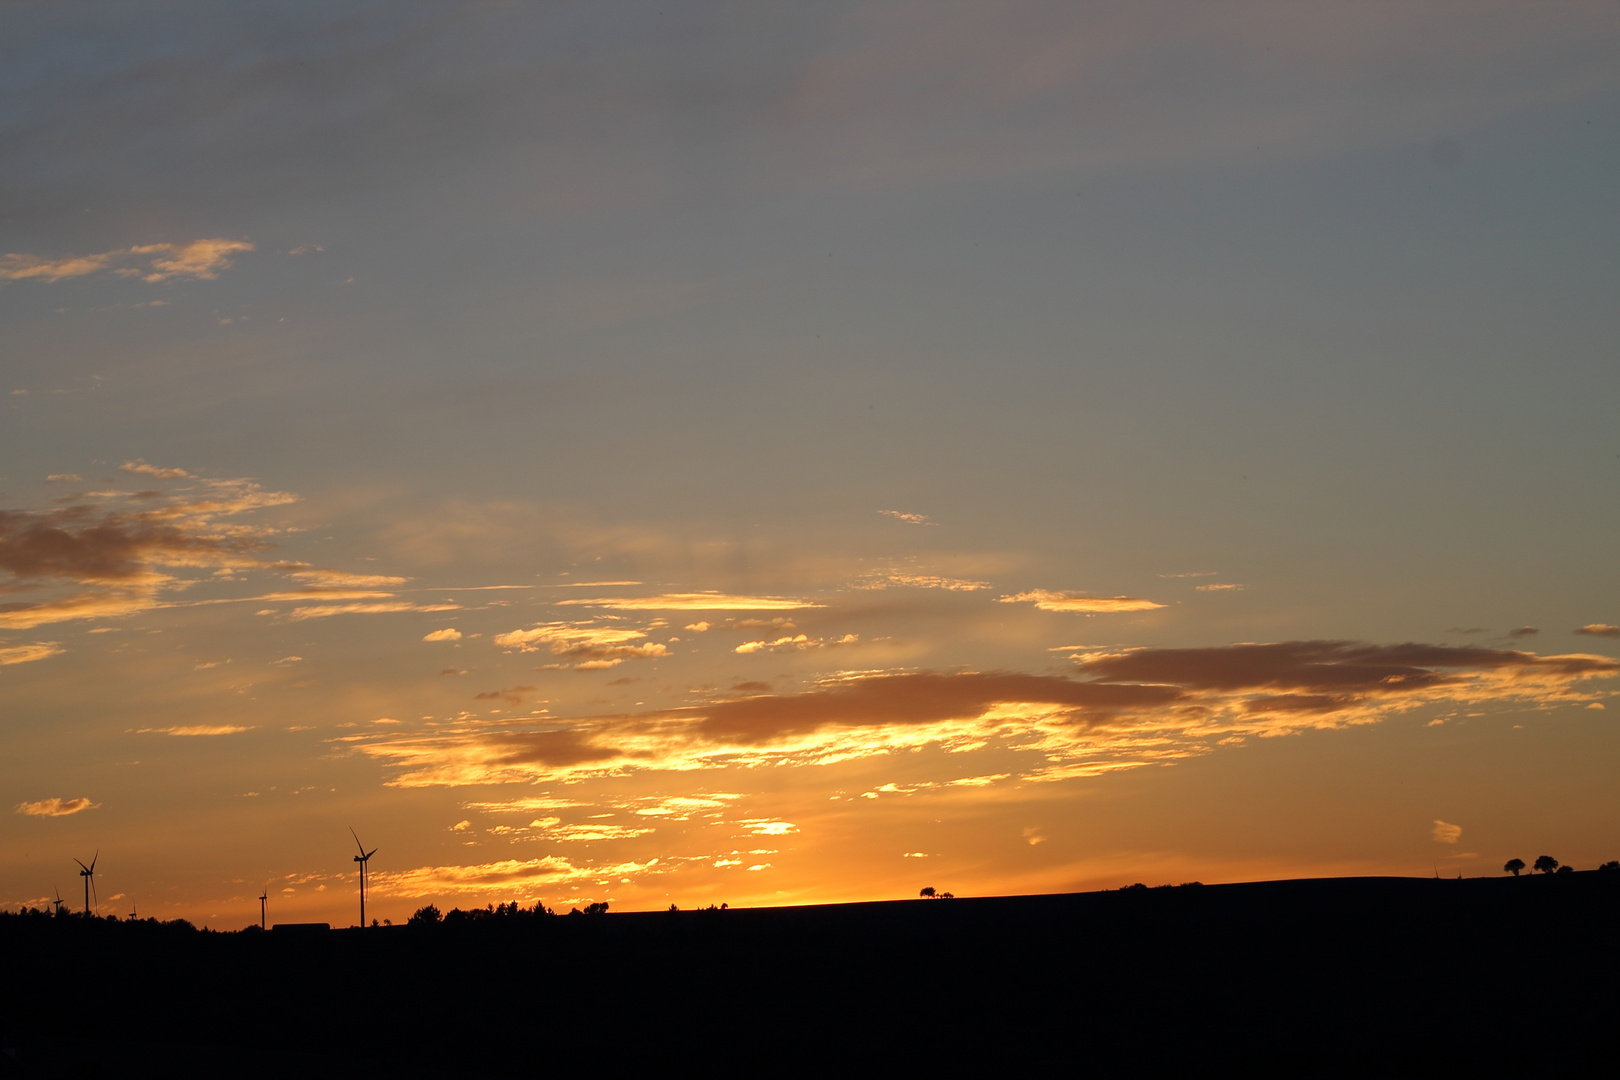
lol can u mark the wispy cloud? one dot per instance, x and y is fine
(23, 654)
(1048, 600)
(199, 260)
(1219, 588)
(55, 807)
(1598, 629)
(694, 601)
(449, 633)
(898, 579)
(195, 730)
(385, 607)
(909, 519)
(1445, 833)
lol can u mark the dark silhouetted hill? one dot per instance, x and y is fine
(1363, 975)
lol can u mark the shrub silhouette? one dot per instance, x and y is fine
(1566, 870)
(1612, 864)
(425, 916)
(1513, 866)
(1545, 864)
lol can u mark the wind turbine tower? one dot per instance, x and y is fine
(264, 896)
(89, 875)
(364, 859)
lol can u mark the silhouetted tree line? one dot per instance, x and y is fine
(429, 915)
(1546, 864)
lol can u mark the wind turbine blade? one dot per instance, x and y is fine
(93, 894)
(358, 845)
(82, 864)
(370, 853)
(93, 859)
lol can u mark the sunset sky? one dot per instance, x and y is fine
(774, 454)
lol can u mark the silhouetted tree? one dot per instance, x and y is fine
(1612, 864)
(427, 915)
(598, 908)
(1513, 866)
(927, 893)
(1566, 870)
(1545, 864)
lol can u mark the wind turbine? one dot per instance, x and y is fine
(264, 896)
(364, 859)
(89, 875)
(58, 901)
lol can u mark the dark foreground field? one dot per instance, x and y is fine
(1365, 975)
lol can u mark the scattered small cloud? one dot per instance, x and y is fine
(1218, 588)
(909, 519)
(1048, 600)
(200, 260)
(796, 641)
(588, 646)
(512, 695)
(1598, 629)
(1032, 835)
(61, 477)
(154, 471)
(1191, 574)
(55, 807)
(697, 627)
(449, 633)
(461, 826)
(1445, 833)
(1523, 632)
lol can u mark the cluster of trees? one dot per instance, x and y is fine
(930, 894)
(1546, 864)
(429, 915)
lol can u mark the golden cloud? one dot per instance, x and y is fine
(522, 876)
(195, 730)
(22, 654)
(449, 633)
(55, 807)
(1598, 629)
(589, 646)
(1048, 600)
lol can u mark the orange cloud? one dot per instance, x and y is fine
(1598, 629)
(695, 601)
(1048, 600)
(22, 654)
(55, 807)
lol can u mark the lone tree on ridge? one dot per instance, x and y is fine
(1546, 864)
(1513, 866)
